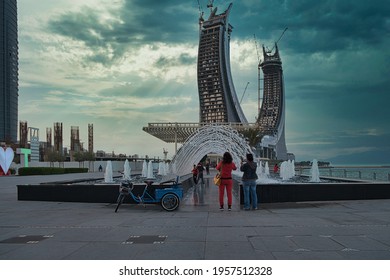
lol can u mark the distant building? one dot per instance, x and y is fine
(34, 143)
(217, 97)
(272, 114)
(8, 71)
(90, 138)
(23, 134)
(58, 140)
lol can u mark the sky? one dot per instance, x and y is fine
(121, 64)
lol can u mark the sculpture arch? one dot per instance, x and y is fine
(211, 138)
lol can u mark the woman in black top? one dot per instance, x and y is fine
(249, 182)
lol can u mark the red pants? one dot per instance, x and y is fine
(228, 184)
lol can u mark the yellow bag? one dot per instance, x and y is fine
(217, 179)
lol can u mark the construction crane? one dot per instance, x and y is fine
(257, 49)
(258, 77)
(242, 97)
(200, 11)
(278, 39)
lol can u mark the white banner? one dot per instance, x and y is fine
(197, 269)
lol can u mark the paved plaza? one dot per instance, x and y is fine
(198, 230)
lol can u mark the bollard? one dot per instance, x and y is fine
(345, 173)
(360, 174)
(374, 175)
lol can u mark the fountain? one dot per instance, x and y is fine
(108, 173)
(314, 172)
(260, 171)
(166, 167)
(127, 171)
(287, 170)
(266, 169)
(149, 174)
(144, 169)
(161, 169)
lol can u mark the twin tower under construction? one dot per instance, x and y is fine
(218, 102)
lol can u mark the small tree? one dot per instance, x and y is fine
(253, 135)
(83, 156)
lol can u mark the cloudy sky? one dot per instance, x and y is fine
(121, 64)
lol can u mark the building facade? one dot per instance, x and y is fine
(217, 97)
(8, 71)
(272, 113)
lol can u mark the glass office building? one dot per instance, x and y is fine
(8, 71)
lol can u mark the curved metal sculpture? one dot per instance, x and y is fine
(209, 139)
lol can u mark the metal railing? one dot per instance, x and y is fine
(363, 173)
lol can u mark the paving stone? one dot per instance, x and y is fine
(292, 231)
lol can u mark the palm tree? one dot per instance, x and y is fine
(252, 135)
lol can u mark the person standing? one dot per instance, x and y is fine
(208, 167)
(276, 168)
(225, 167)
(249, 182)
(195, 174)
(200, 172)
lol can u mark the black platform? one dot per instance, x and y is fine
(271, 193)
(66, 192)
(267, 193)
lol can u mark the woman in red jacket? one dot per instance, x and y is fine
(225, 167)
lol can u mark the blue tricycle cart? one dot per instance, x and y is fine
(168, 194)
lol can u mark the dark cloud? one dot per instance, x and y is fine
(320, 26)
(138, 23)
(161, 21)
(181, 59)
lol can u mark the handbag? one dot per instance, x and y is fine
(217, 177)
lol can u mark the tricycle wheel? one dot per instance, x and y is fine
(120, 199)
(170, 201)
